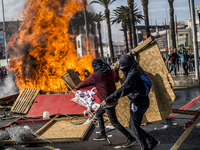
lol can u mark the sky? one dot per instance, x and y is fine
(158, 11)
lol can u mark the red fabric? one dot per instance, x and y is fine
(104, 83)
(58, 104)
(172, 57)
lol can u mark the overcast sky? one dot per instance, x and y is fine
(158, 11)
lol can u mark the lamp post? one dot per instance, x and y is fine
(192, 13)
(4, 32)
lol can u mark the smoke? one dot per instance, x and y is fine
(8, 87)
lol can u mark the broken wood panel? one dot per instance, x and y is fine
(64, 129)
(25, 100)
(161, 95)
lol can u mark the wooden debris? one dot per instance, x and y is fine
(161, 95)
(61, 129)
(8, 100)
(24, 101)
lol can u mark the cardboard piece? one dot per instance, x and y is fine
(161, 95)
(71, 78)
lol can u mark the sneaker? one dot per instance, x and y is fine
(154, 145)
(129, 143)
(100, 138)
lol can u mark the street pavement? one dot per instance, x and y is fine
(167, 137)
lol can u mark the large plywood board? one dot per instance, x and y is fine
(62, 128)
(161, 95)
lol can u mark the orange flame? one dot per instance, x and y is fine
(43, 50)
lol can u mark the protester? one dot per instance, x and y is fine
(104, 78)
(177, 61)
(172, 61)
(1, 73)
(138, 103)
(184, 58)
(4, 73)
(191, 61)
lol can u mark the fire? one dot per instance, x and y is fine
(43, 50)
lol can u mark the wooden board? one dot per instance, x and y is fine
(161, 95)
(186, 133)
(59, 129)
(24, 101)
(64, 129)
(8, 99)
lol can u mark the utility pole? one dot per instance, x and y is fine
(4, 33)
(86, 24)
(192, 13)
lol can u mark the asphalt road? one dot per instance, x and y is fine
(167, 137)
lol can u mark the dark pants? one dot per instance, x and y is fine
(135, 123)
(185, 68)
(113, 119)
(171, 67)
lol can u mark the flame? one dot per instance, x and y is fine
(43, 50)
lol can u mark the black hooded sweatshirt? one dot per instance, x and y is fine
(131, 83)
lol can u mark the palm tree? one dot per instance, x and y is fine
(121, 15)
(79, 19)
(146, 16)
(106, 4)
(130, 6)
(98, 18)
(171, 10)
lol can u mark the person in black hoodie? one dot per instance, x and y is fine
(104, 78)
(138, 103)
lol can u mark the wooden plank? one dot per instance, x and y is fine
(63, 128)
(20, 101)
(28, 98)
(86, 130)
(188, 112)
(31, 101)
(10, 124)
(143, 45)
(25, 100)
(177, 87)
(9, 97)
(186, 133)
(16, 102)
(46, 126)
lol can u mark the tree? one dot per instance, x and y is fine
(106, 4)
(171, 10)
(130, 6)
(146, 16)
(79, 20)
(121, 15)
(98, 18)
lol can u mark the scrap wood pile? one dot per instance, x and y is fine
(31, 104)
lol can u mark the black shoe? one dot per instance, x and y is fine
(100, 138)
(154, 145)
(129, 143)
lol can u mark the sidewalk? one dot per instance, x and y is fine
(181, 80)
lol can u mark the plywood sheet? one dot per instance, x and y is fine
(161, 95)
(62, 128)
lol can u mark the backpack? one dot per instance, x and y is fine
(147, 83)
